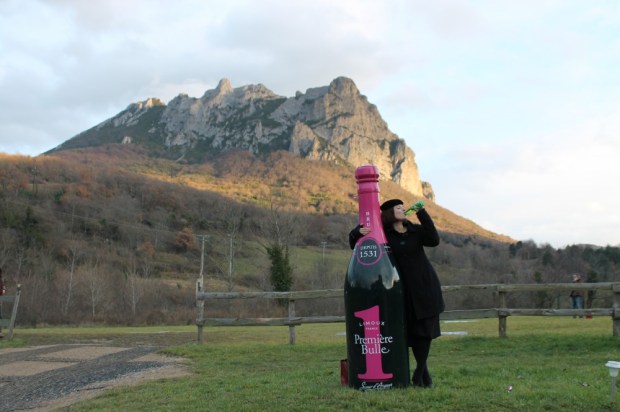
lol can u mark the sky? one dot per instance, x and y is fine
(511, 107)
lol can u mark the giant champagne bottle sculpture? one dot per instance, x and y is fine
(376, 341)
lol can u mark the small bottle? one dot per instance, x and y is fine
(414, 208)
(377, 350)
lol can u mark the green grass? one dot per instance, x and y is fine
(550, 363)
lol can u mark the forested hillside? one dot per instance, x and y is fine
(112, 235)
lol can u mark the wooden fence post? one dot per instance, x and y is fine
(502, 314)
(10, 322)
(291, 325)
(615, 310)
(200, 320)
(14, 311)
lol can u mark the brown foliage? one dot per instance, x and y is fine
(135, 220)
(184, 240)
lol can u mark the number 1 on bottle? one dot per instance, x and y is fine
(372, 333)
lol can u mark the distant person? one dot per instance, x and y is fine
(423, 298)
(2, 292)
(576, 296)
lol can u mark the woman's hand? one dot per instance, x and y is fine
(358, 232)
(364, 230)
(415, 208)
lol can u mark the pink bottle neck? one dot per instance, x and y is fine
(367, 177)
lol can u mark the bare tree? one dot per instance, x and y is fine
(146, 252)
(95, 286)
(72, 261)
(281, 231)
(322, 269)
(234, 220)
(133, 288)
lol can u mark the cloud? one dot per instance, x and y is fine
(554, 189)
(509, 106)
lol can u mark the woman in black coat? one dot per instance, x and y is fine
(423, 298)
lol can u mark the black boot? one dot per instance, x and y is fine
(417, 378)
(427, 381)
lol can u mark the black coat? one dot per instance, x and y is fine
(423, 297)
(420, 282)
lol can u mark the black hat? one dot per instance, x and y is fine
(388, 204)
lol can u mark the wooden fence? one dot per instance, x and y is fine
(501, 311)
(10, 322)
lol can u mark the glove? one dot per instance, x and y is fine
(356, 231)
(415, 208)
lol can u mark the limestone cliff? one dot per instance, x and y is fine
(334, 123)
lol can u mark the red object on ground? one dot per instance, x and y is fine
(344, 372)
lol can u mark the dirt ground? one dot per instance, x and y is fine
(54, 372)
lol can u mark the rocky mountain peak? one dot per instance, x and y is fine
(146, 104)
(334, 123)
(343, 86)
(224, 86)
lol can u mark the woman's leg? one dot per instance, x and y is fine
(421, 348)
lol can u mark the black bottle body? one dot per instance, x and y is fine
(376, 340)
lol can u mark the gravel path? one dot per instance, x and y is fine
(47, 377)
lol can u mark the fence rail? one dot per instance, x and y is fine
(502, 312)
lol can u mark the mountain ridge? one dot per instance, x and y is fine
(334, 123)
(312, 187)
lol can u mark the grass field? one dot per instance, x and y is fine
(545, 364)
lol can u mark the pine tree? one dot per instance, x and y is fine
(281, 269)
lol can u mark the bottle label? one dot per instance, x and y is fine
(368, 252)
(373, 345)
